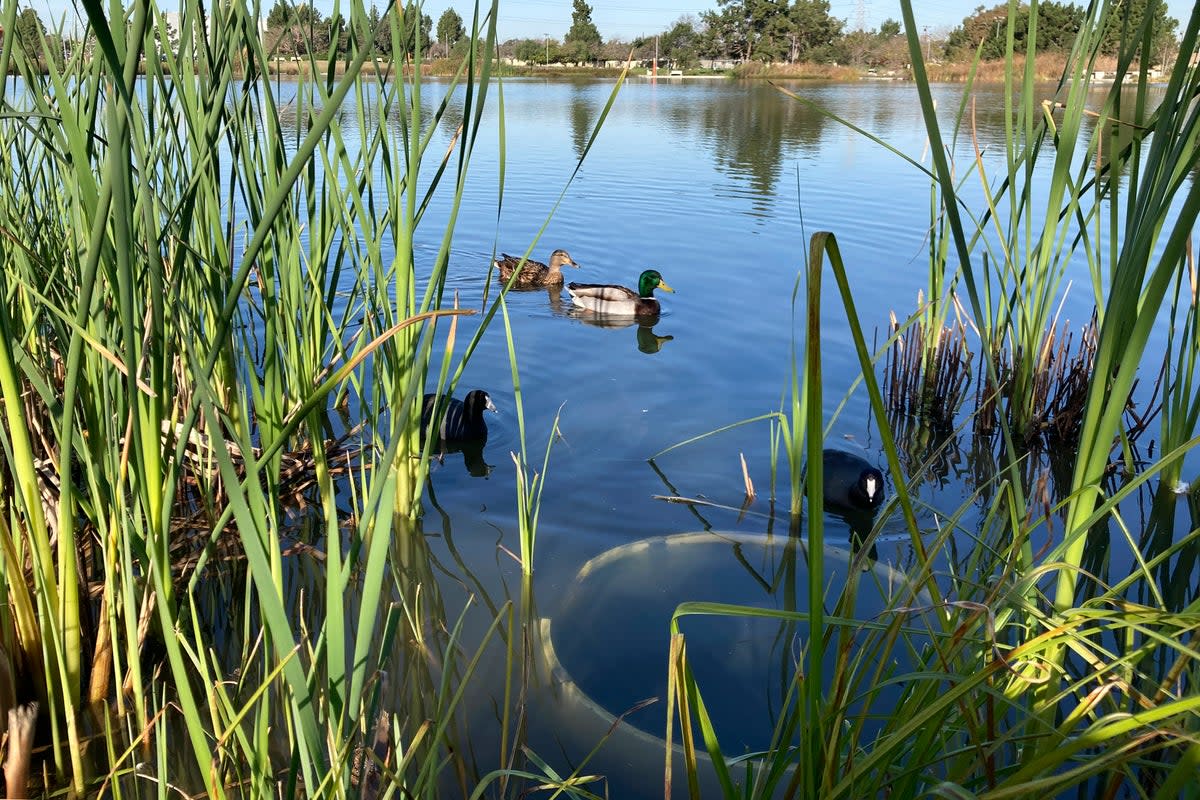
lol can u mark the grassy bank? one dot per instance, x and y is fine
(1047, 68)
(800, 71)
(439, 67)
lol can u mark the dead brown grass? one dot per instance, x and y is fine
(438, 67)
(1047, 67)
(288, 67)
(799, 71)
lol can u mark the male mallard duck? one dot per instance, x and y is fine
(851, 482)
(534, 273)
(610, 299)
(463, 419)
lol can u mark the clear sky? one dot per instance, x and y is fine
(626, 19)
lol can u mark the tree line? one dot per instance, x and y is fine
(770, 31)
(776, 31)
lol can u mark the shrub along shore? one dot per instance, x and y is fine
(1047, 67)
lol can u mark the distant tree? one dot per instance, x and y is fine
(814, 27)
(681, 43)
(778, 37)
(281, 14)
(1058, 26)
(643, 47)
(890, 49)
(376, 27)
(29, 31)
(311, 28)
(858, 47)
(889, 29)
(615, 49)
(450, 29)
(415, 28)
(532, 51)
(987, 29)
(882, 48)
(582, 42)
(1125, 21)
(723, 35)
(291, 29)
(769, 30)
(737, 29)
(523, 50)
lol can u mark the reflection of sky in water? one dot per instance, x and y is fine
(718, 185)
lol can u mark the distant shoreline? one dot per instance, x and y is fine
(1048, 68)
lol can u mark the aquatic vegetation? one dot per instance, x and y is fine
(220, 319)
(529, 487)
(176, 345)
(928, 372)
(1043, 671)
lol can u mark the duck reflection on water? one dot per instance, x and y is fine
(648, 341)
(472, 453)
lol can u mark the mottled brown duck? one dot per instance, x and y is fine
(534, 273)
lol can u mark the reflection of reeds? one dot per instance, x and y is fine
(1060, 373)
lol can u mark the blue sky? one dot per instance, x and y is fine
(629, 18)
(626, 19)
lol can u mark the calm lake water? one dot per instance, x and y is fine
(718, 185)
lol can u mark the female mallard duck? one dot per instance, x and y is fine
(851, 482)
(610, 299)
(463, 420)
(534, 273)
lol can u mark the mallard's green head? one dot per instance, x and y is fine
(650, 281)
